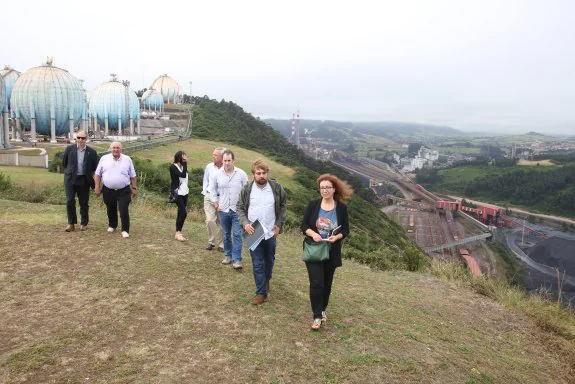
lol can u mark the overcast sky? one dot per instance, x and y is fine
(506, 65)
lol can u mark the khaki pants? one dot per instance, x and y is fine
(212, 223)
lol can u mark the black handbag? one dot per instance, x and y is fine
(173, 196)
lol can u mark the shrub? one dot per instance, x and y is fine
(56, 164)
(5, 182)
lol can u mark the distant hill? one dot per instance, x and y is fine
(337, 130)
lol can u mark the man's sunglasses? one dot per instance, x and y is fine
(81, 137)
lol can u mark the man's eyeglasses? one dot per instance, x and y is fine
(325, 188)
(80, 137)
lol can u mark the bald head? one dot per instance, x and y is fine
(116, 149)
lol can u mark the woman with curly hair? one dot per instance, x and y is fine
(325, 219)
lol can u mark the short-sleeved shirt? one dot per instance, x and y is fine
(116, 173)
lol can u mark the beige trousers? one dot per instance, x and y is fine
(213, 223)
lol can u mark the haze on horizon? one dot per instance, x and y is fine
(487, 66)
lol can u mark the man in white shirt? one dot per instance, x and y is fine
(267, 204)
(225, 187)
(212, 218)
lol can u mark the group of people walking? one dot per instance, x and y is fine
(232, 205)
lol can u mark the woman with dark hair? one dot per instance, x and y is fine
(325, 219)
(179, 175)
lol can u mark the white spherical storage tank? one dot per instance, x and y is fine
(168, 87)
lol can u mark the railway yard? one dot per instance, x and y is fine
(429, 227)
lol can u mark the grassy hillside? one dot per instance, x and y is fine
(93, 307)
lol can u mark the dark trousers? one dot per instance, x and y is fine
(320, 280)
(118, 199)
(81, 188)
(263, 260)
(181, 202)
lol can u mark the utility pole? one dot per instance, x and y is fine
(523, 232)
(126, 84)
(297, 143)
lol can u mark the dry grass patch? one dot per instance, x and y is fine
(150, 309)
(543, 163)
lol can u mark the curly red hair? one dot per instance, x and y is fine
(343, 191)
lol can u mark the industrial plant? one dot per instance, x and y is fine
(48, 103)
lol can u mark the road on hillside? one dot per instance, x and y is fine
(511, 238)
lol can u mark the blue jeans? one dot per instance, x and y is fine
(263, 260)
(231, 227)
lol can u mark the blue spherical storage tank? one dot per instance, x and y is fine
(152, 100)
(110, 99)
(45, 93)
(3, 100)
(10, 76)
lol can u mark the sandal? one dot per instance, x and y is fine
(180, 237)
(323, 317)
(316, 325)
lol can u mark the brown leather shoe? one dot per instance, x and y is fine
(258, 299)
(83, 227)
(70, 228)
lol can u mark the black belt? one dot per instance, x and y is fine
(117, 189)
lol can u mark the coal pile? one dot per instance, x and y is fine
(555, 252)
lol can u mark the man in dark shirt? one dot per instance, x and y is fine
(80, 162)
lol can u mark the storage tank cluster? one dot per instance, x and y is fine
(49, 100)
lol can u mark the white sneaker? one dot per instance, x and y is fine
(110, 229)
(125, 234)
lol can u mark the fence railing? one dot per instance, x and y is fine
(149, 144)
(17, 159)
